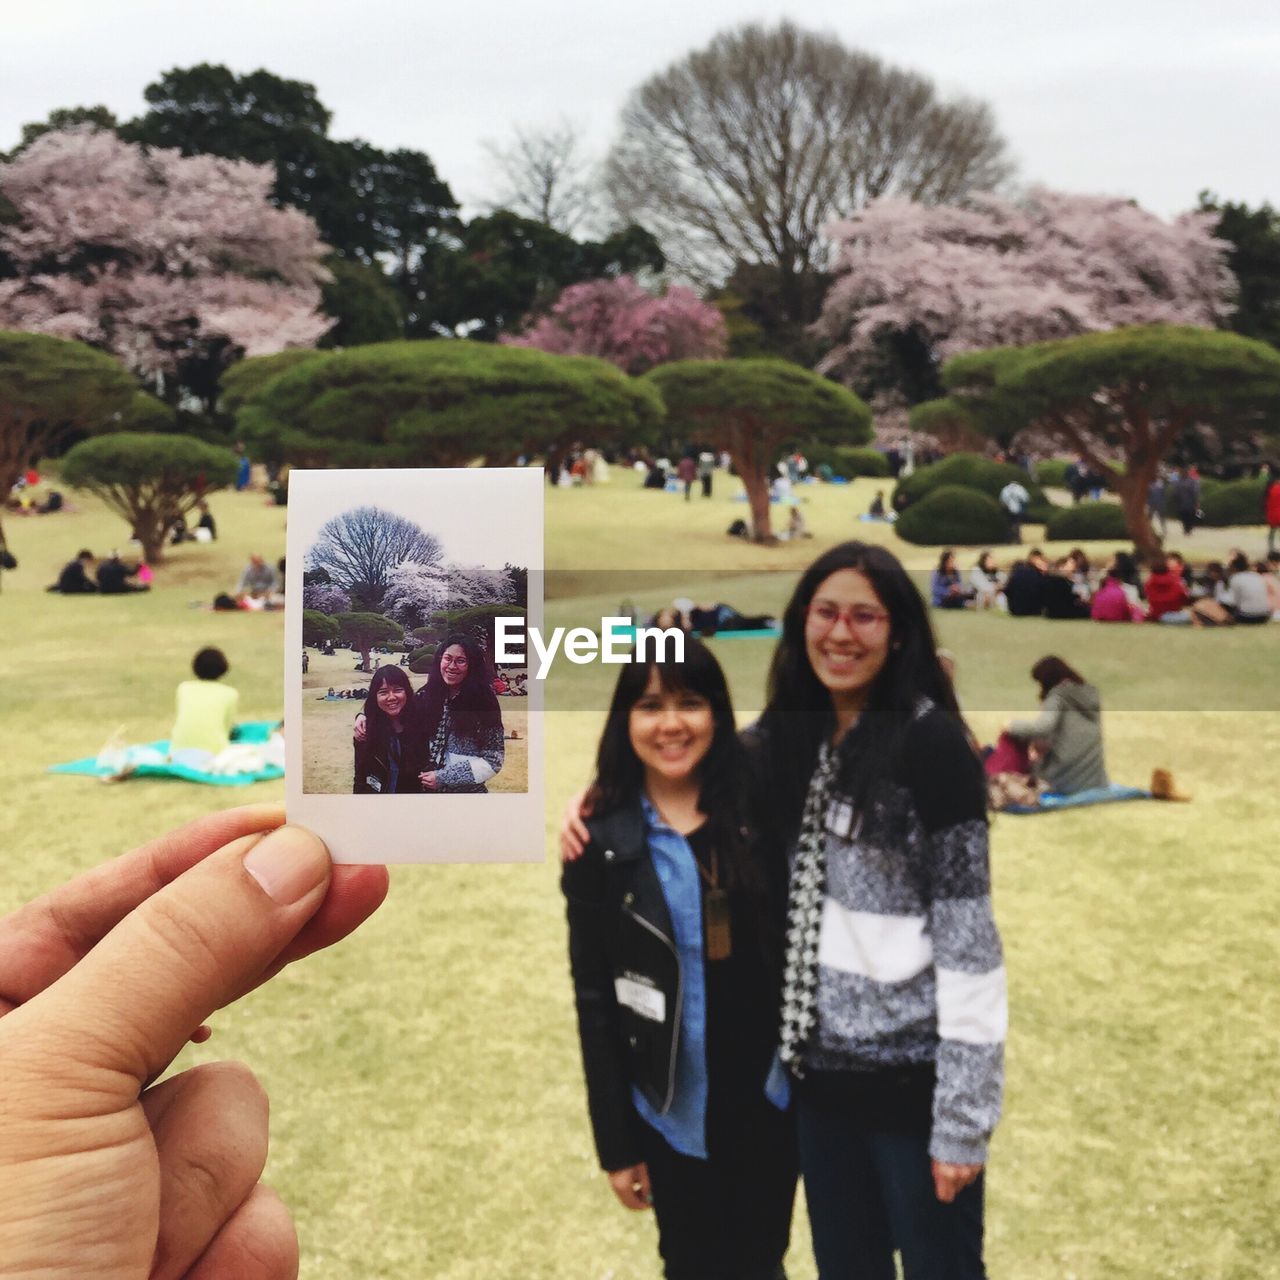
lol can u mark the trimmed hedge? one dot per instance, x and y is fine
(953, 516)
(846, 461)
(973, 471)
(1088, 521)
(1052, 472)
(1236, 502)
(420, 659)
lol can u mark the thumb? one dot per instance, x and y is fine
(129, 1006)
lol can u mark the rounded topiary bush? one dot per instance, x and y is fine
(1052, 472)
(1237, 502)
(846, 461)
(863, 462)
(420, 659)
(953, 516)
(1088, 521)
(973, 471)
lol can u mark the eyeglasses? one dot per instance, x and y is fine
(453, 662)
(822, 617)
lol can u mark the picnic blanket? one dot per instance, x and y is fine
(1052, 800)
(149, 760)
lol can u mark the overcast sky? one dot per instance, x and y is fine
(1152, 99)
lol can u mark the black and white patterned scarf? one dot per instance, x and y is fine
(440, 739)
(804, 916)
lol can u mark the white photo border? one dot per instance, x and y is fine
(494, 827)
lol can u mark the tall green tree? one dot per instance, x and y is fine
(149, 480)
(753, 409)
(438, 404)
(365, 630)
(99, 117)
(503, 266)
(1254, 236)
(364, 306)
(51, 392)
(366, 202)
(1130, 393)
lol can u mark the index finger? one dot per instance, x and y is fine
(44, 939)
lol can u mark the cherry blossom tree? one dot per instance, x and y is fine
(324, 597)
(161, 259)
(998, 272)
(623, 323)
(416, 591)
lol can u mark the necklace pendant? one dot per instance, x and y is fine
(719, 938)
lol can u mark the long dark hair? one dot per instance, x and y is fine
(1051, 671)
(722, 772)
(377, 723)
(798, 712)
(475, 705)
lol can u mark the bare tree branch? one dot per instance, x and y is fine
(547, 176)
(741, 152)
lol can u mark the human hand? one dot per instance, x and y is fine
(428, 780)
(359, 732)
(574, 835)
(631, 1186)
(101, 983)
(951, 1179)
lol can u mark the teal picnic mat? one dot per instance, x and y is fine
(247, 731)
(1052, 800)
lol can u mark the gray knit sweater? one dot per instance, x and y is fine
(910, 968)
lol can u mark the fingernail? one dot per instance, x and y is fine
(288, 864)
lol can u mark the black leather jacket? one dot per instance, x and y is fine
(621, 938)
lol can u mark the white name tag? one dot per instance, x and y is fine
(641, 998)
(374, 784)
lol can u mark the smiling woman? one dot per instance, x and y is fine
(391, 757)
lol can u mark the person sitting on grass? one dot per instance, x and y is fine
(1024, 590)
(1246, 595)
(1065, 738)
(114, 575)
(876, 510)
(1168, 599)
(1061, 599)
(257, 582)
(1110, 602)
(74, 579)
(206, 712)
(945, 587)
(986, 580)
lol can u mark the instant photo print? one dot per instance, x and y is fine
(411, 734)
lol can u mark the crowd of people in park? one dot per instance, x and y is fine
(447, 737)
(1161, 588)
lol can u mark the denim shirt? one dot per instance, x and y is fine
(684, 1126)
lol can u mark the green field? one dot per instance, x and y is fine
(428, 1113)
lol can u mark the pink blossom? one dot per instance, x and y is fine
(153, 255)
(996, 272)
(621, 322)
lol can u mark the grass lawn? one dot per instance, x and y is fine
(428, 1111)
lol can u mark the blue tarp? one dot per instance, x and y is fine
(1052, 800)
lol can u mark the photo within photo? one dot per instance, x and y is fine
(400, 584)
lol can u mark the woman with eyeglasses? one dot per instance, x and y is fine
(893, 1003)
(459, 721)
(893, 1006)
(462, 720)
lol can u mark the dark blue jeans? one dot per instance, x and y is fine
(871, 1191)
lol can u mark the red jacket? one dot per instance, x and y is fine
(1273, 502)
(1166, 593)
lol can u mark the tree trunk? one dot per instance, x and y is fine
(364, 656)
(150, 532)
(1132, 488)
(756, 483)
